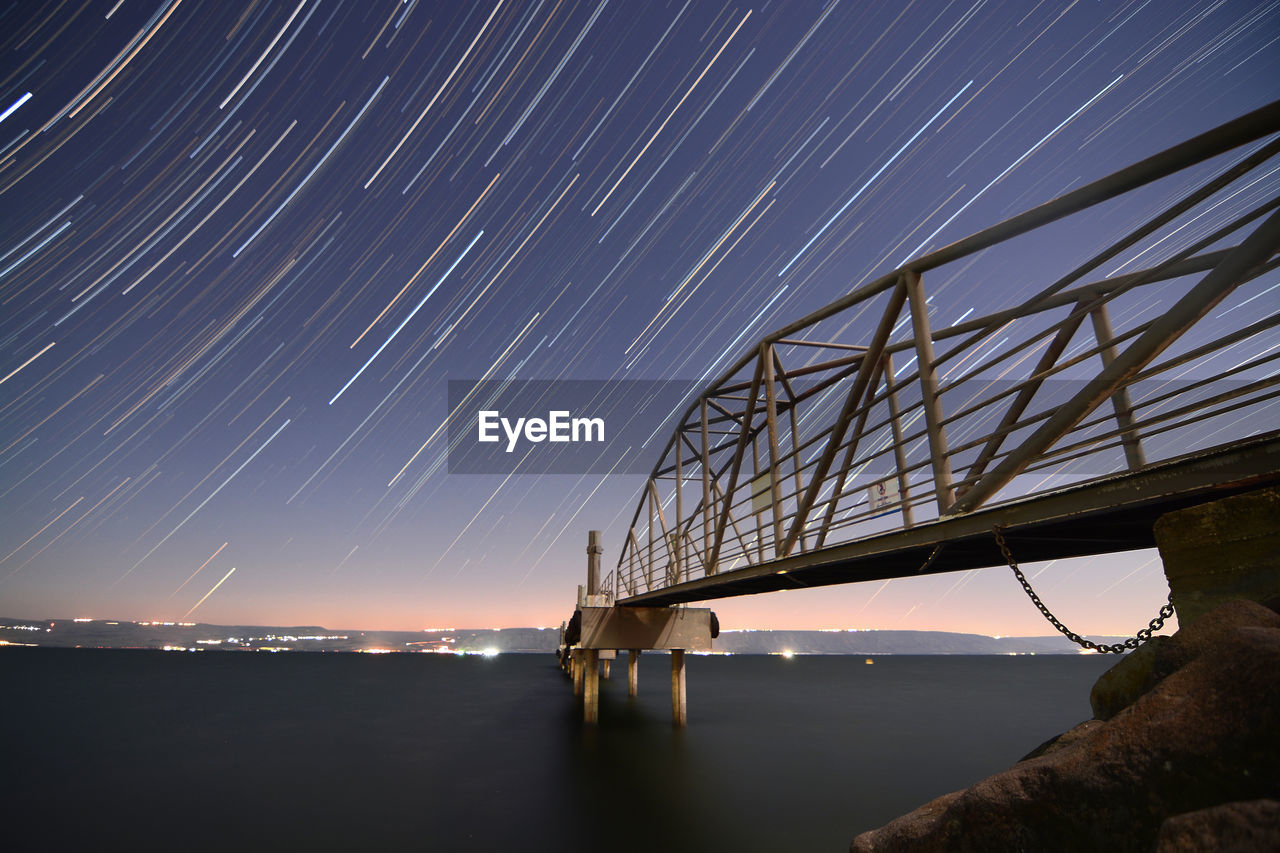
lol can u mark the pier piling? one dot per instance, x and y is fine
(679, 705)
(591, 693)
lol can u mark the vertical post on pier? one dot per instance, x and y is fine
(589, 663)
(758, 510)
(594, 550)
(591, 693)
(929, 389)
(650, 490)
(679, 704)
(576, 664)
(899, 450)
(1120, 399)
(633, 671)
(707, 531)
(795, 465)
(775, 478)
(677, 543)
(604, 668)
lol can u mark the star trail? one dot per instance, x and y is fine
(245, 245)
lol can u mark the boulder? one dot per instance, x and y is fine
(1253, 825)
(1139, 671)
(1195, 726)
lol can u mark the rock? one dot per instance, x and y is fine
(1204, 733)
(1139, 671)
(1253, 825)
(1063, 740)
(1135, 674)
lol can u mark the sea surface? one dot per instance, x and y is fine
(107, 749)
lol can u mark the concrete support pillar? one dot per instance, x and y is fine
(575, 664)
(604, 668)
(633, 671)
(591, 692)
(679, 704)
(1224, 549)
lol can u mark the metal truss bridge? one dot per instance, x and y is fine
(869, 440)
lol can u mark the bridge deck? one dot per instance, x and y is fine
(1103, 516)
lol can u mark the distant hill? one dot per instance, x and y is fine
(120, 634)
(872, 642)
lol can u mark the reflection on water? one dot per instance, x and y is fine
(804, 753)
(428, 752)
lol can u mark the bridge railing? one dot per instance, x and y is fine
(870, 415)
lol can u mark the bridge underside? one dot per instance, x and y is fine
(1100, 517)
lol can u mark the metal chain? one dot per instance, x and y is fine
(1116, 648)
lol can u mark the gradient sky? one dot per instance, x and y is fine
(246, 245)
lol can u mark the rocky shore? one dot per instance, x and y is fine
(1183, 755)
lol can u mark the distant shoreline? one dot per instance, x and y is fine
(121, 634)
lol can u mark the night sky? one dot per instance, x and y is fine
(247, 245)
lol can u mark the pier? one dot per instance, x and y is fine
(599, 629)
(1062, 426)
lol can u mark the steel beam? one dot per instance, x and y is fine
(869, 362)
(1120, 400)
(929, 390)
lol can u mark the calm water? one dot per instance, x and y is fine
(425, 752)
